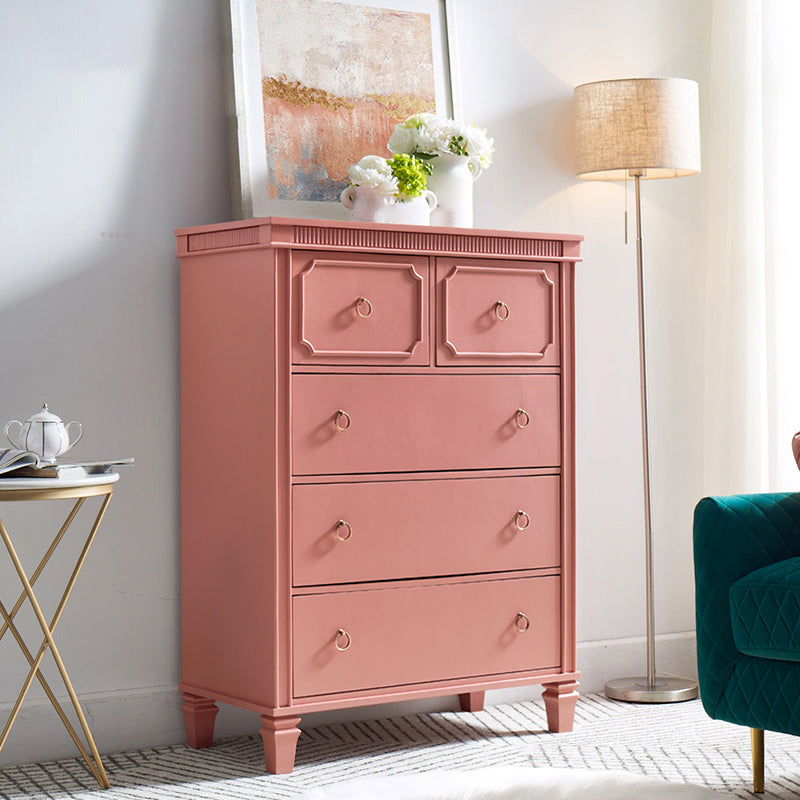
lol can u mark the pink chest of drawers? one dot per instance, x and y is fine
(377, 469)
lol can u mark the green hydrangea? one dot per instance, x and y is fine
(411, 174)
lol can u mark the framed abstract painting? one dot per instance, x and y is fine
(315, 85)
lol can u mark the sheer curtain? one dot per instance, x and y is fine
(752, 292)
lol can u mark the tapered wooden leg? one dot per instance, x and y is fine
(559, 703)
(198, 717)
(472, 701)
(757, 746)
(280, 735)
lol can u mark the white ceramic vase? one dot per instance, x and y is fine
(369, 205)
(451, 181)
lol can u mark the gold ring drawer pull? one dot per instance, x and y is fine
(343, 640)
(342, 420)
(522, 418)
(343, 531)
(501, 311)
(521, 622)
(522, 520)
(363, 308)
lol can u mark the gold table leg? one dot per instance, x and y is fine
(8, 624)
(49, 692)
(94, 763)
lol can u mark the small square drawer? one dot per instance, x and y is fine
(346, 641)
(388, 530)
(497, 312)
(359, 309)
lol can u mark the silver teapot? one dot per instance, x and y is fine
(44, 434)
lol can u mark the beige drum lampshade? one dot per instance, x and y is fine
(650, 125)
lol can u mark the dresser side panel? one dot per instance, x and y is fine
(568, 554)
(229, 487)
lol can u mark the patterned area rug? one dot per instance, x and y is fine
(514, 783)
(675, 742)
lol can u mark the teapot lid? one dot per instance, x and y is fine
(45, 415)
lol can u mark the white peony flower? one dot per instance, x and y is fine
(424, 134)
(479, 146)
(375, 172)
(414, 135)
(403, 139)
(443, 133)
(376, 163)
(428, 134)
(424, 120)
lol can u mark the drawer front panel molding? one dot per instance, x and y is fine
(400, 521)
(399, 423)
(390, 530)
(360, 311)
(401, 636)
(493, 314)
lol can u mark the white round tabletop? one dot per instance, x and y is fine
(12, 484)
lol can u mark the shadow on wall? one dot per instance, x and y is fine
(95, 334)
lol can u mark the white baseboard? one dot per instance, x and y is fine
(151, 717)
(602, 661)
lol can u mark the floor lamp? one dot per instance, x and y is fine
(640, 128)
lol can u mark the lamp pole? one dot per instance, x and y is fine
(648, 520)
(649, 689)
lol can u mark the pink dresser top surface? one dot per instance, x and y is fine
(284, 222)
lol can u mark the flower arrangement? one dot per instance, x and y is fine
(403, 176)
(427, 136)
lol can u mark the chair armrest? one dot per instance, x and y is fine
(732, 537)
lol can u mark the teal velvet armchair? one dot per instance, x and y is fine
(747, 592)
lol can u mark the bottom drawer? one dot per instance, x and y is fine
(372, 638)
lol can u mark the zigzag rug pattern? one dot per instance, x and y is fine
(675, 742)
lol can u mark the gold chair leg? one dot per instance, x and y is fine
(757, 746)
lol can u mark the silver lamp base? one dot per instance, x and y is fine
(663, 690)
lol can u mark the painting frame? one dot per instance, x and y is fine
(244, 109)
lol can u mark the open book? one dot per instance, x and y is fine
(25, 464)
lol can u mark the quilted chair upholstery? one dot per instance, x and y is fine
(747, 593)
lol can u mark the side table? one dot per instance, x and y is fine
(34, 489)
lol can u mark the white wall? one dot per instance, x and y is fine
(518, 69)
(113, 134)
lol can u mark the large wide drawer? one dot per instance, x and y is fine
(347, 641)
(351, 532)
(359, 309)
(407, 423)
(494, 312)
